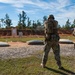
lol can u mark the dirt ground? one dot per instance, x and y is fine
(17, 44)
(22, 44)
(20, 50)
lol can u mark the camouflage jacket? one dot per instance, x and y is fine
(51, 30)
(51, 26)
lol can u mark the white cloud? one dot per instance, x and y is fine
(38, 3)
(61, 9)
(27, 11)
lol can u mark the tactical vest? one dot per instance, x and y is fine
(51, 31)
(51, 27)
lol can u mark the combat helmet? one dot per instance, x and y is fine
(51, 17)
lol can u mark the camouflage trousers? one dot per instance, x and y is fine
(56, 50)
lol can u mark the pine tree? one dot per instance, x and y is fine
(34, 25)
(1, 22)
(28, 22)
(38, 23)
(8, 21)
(24, 17)
(44, 18)
(73, 25)
(67, 25)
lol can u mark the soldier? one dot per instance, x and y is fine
(51, 41)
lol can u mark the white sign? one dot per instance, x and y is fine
(14, 32)
(20, 34)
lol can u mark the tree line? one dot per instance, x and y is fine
(25, 22)
(68, 25)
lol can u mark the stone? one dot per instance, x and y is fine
(39, 42)
(65, 41)
(4, 44)
(35, 42)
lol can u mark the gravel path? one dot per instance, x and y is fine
(27, 50)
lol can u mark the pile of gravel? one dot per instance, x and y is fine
(20, 52)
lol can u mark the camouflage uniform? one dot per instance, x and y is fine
(51, 40)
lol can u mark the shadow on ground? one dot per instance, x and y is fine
(62, 73)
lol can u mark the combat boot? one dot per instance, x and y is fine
(60, 67)
(43, 65)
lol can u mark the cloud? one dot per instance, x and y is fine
(61, 9)
(27, 11)
(58, 4)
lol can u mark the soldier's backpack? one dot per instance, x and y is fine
(51, 30)
(51, 27)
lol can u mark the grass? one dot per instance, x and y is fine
(24, 39)
(71, 37)
(31, 66)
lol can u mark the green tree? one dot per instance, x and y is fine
(73, 25)
(19, 22)
(22, 20)
(0, 25)
(8, 21)
(59, 26)
(28, 22)
(19, 18)
(67, 25)
(44, 18)
(2, 22)
(24, 17)
(34, 25)
(38, 23)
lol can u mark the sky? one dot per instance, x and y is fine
(36, 9)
